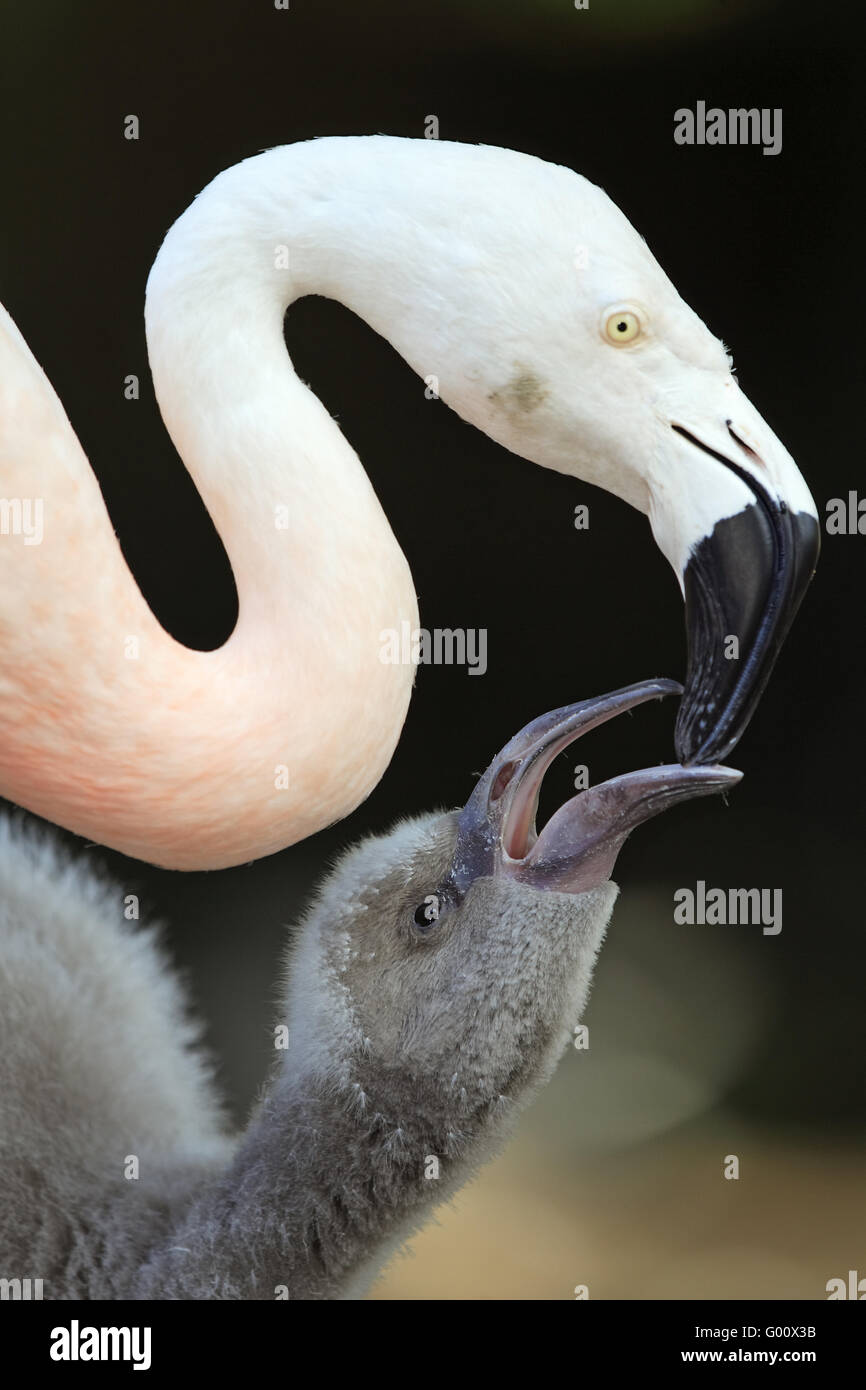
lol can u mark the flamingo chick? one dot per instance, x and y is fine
(432, 989)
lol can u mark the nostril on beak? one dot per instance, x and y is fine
(747, 448)
(503, 777)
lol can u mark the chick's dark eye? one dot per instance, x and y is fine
(427, 912)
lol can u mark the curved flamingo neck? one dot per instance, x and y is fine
(191, 759)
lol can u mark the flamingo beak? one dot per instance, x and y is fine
(743, 582)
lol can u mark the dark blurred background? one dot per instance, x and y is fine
(706, 1040)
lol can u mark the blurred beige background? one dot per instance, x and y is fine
(615, 1179)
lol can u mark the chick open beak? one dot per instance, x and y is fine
(577, 848)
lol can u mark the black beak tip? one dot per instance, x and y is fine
(743, 584)
(693, 751)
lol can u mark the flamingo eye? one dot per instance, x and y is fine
(427, 912)
(622, 326)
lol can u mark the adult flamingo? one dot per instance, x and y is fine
(548, 324)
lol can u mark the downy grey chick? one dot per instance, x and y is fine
(433, 986)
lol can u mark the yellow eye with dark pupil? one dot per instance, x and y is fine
(622, 327)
